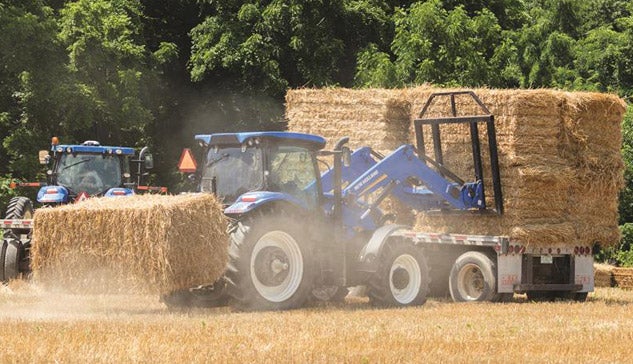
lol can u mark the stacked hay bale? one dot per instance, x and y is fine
(559, 155)
(143, 244)
(623, 277)
(603, 275)
(380, 116)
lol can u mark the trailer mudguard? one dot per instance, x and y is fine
(367, 259)
(253, 200)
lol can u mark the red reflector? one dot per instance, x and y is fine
(588, 250)
(118, 193)
(581, 250)
(51, 190)
(575, 250)
(249, 199)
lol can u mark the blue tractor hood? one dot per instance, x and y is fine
(310, 141)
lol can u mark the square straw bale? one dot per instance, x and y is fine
(378, 115)
(603, 275)
(623, 277)
(149, 243)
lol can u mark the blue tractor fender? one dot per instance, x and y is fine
(119, 192)
(368, 257)
(251, 201)
(52, 194)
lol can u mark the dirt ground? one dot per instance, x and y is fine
(44, 326)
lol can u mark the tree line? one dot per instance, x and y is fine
(154, 72)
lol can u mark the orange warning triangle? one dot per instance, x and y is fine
(187, 163)
(81, 197)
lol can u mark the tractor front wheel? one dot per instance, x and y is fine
(270, 265)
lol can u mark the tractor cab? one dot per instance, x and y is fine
(87, 169)
(258, 166)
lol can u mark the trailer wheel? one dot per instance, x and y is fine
(402, 278)
(473, 278)
(10, 256)
(20, 208)
(270, 266)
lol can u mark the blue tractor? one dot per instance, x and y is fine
(303, 229)
(76, 172)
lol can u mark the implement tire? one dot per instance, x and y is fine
(20, 208)
(402, 278)
(473, 278)
(271, 265)
(10, 259)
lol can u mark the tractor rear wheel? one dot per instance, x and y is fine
(20, 208)
(270, 265)
(402, 278)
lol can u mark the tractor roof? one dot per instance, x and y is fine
(92, 147)
(309, 141)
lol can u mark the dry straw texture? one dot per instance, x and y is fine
(559, 154)
(623, 277)
(150, 243)
(603, 275)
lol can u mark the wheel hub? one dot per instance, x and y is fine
(271, 266)
(405, 278)
(276, 266)
(471, 282)
(400, 278)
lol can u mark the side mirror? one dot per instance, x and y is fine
(44, 156)
(148, 161)
(346, 156)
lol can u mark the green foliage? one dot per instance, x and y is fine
(626, 195)
(435, 45)
(271, 45)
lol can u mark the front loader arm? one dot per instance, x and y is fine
(403, 175)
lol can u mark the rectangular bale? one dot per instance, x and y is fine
(150, 244)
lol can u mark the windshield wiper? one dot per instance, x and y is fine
(76, 163)
(216, 160)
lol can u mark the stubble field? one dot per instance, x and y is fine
(40, 326)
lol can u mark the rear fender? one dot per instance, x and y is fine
(368, 257)
(252, 201)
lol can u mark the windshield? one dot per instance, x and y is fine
(90, 173)
(235, 172)
(292, 171)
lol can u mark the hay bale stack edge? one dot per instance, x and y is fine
(559, 154)
(145, 244)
